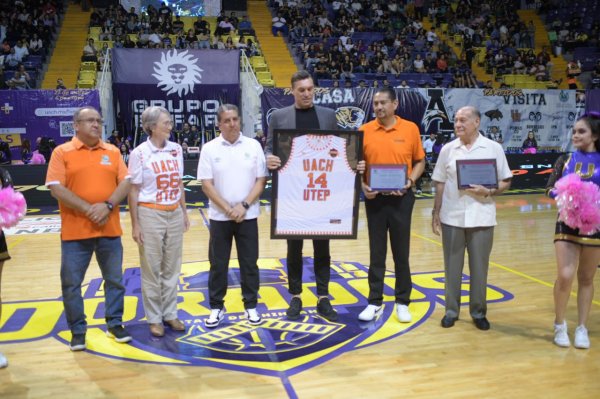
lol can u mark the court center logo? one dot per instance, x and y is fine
(177, 72)
(275, 346)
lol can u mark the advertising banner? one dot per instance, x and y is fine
(29, 114)
(508, 114)
(191, 84)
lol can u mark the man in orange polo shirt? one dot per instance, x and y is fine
(390, 140)
(89, 179)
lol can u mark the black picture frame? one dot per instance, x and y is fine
(476, 163)
(397, 184)
(282, 147)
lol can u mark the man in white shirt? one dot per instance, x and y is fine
(11, 60)
(428, 144)
(466, 217)
(155, 37)
(279, 25)
(21, 51)
(432, 37)
(356, 6)
(233, 172)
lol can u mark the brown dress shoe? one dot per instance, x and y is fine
(175, 324)
(157, 330)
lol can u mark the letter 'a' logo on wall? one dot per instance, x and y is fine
(177, 72)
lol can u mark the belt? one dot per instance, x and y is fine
(159, 207)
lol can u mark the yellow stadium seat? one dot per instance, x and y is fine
(95, 30)
(509, 79)
(257, 60)
(260, 68)
(265, 79)
(86, 84)
(458, 39)
(89, 66)
(87, 75)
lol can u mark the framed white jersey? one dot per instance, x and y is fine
(315, 192)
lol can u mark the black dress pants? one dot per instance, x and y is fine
(219, 253)
(389, 214)
(322, 266)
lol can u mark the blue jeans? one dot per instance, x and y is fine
(75, 259)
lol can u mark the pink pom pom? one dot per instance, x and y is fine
(37, 159)
(530, 150)
(12, 207)
(578, 204)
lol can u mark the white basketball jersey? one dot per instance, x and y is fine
(316, 187)
(158, 172)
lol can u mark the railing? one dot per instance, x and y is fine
(250, 98)
(106, 96)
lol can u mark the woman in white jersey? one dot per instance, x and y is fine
(158, 218)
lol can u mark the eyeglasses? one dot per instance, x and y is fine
(92, 120)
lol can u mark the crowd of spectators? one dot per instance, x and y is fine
(159, 28)
(26, 30)
(574, 30)
(572, 25)
(493, 34)
(355, 40)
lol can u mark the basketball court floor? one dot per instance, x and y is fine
(311, 357)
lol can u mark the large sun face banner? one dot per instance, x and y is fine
(191, 84)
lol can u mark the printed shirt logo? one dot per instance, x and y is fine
(105, 160)
(276, 345)
(177, 72)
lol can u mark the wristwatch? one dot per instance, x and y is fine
(109, 205)
(245, 205)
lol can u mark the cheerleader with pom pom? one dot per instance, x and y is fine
(575, 184)
(12, 208)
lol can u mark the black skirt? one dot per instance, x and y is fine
(3, 249)
(566, 233)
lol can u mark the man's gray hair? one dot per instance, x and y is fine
(226, 107)
(79, 110)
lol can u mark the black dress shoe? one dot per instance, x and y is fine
(293, 312)
(448, 321)
(325, 309)
(482, 323)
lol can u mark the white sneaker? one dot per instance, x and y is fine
(253, 317)
(561, 337)
(3, 361)
(370, 312)
(582, 341)
(216, 315)
(403, 313)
